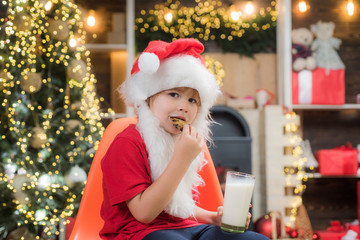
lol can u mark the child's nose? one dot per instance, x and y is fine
(183, 106)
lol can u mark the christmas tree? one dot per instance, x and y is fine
(49, 115)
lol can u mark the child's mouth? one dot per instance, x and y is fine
(178, 122)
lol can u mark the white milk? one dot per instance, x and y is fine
(236, 202)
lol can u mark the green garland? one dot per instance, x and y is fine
(208, 21)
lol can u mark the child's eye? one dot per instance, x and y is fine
(192, 100)
(173, 94)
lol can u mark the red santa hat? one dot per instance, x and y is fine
(164, 65)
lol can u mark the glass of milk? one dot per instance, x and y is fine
(238, 192)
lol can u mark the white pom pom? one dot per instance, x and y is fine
(148, 63)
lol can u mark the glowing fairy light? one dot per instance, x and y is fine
(235, 15)
(302, 6)
(72, 42)
(249, 8)
(168, 17)
(90, 21)
(48, 5)
(350, 7)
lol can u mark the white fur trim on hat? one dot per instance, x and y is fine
(176, 71)
(148, 63)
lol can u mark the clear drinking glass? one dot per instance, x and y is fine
(238, 192)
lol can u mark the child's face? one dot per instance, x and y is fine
(178, 102)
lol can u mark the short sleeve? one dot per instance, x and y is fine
(125, 170)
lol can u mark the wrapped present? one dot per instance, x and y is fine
(325, 235)
(338, 161)
(320, 86)
(335, 226)
(335, 232)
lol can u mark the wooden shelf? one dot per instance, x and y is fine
(318, 175)
(325, 107)
(105, 47)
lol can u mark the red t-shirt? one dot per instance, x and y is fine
(126, 173)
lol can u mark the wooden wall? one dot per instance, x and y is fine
(327, 129)
(329, 199)
(346, 28)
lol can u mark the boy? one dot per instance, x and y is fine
(150, 170)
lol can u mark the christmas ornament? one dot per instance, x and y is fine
(76, 105)
(18, 182)
(40, 214)
(316, 236)
(77, 70)
(76, 175)
(22, 22)
(38, 137)
(270, 225)
(293, 233)
(58, 29)
(21, 233)
(44, 181)
(31, 82)
(73, 125)
(4, 77)
(10, 170)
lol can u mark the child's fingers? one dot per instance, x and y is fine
(186, 129)
(248, 220)
(220, 210)
(193, 131)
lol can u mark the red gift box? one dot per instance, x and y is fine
(320, 86)
(336, 231)
(324, 235)
(338, 161)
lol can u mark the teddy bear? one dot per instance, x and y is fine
(302, 55)
(325, 46)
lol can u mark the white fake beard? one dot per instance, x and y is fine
(160, 146)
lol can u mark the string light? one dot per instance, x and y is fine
(168, 17)
(210, 20)
(48, 5)
(234, 13)
(249, 8)
(72, 42)
(296, 177)
(302, 6)
(350, 7)
(90, 21)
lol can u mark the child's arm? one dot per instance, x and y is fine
(214, 218)
(146, 206)
(208, 217)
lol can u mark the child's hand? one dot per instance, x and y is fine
(189, 144)
(248, 218)
(220, 214)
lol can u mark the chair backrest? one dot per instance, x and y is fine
(88, 222)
